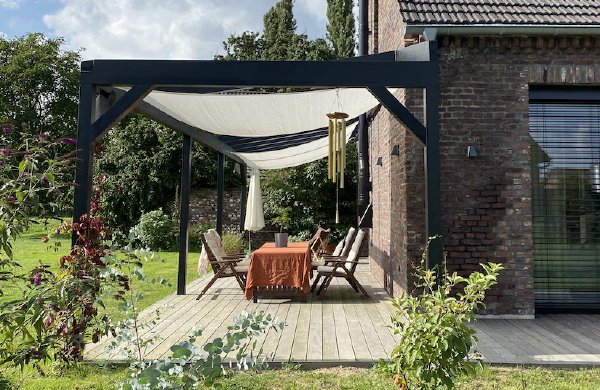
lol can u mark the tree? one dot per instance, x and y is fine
(142, 162)
(39, 84)
(340, 27)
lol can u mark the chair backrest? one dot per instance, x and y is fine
(355, 250)
(348, 242)
(214, 251)
(338, 249)
(316, 242)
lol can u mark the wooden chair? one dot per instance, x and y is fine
(342, 248)
(342, 267)
(223, 266)
(316, 242)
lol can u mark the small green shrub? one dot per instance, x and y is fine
(435, 336)
(232, 242)
(156, 230)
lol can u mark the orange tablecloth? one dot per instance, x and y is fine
(270, 266)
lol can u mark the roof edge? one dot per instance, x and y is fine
(504, 29)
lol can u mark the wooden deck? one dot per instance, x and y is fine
(549, 339)
(342, 327)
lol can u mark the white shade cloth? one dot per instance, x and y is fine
(255, 218)
(267, 115)
(260, 115)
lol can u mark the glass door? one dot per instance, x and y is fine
(565, 166)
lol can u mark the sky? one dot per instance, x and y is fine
(149, 29)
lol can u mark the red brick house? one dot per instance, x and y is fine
(520, 88)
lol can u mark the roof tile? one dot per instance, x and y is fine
(561, 12)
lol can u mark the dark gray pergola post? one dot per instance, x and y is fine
(243, 196)
(220, 191)
(184, 212)
(431, 101)
(85, 143)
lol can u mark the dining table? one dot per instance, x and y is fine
(279, 272)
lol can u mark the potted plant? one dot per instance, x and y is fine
(283, 220)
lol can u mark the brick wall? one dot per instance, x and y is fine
(486, 201)
(203, 207)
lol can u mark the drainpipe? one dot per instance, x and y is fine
(363, 182)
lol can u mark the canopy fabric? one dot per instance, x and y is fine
(267, 131)
(255, 219)
(258, 115)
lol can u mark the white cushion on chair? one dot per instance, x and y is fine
(338, 249)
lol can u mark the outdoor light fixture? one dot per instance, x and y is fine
(471, 151)
(379, 161)
(395, 150)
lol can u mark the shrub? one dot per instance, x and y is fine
(156, 230)
(436, 339)
(232, 242)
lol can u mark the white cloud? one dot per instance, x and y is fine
(183, 29)
(314, 8)
(10, 3)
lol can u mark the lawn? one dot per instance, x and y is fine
(29, 251)
(98, 378)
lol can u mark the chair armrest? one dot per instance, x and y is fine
(228, 261)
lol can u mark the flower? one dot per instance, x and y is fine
(6, 129)
(6, 151)
(1, 162)
(25, 156)
(42, 138)
(44, 180)
(68, 141)
(37, 279)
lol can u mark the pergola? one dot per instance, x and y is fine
(99, 110)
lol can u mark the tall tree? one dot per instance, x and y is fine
(39, 84)
(340, 27)
(279, 31)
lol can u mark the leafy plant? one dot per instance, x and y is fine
(156, 230)
(232, 242)
(189, 366)
(282, 218)
(435, 336)
(34, 171)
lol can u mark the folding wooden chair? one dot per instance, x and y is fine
(223, 266)
(342, 267)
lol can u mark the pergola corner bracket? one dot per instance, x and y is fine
(122, 107)
(399, 111)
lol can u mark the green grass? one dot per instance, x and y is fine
(101, 378)
(29, 251)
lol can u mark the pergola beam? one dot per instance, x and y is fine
(343, 74)
(120, 109)
(400, 112)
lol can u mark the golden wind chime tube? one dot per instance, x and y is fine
(337, 153)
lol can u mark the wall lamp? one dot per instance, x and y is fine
(379, 161)
(471, 151)
(395, 150)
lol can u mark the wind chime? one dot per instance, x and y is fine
(337, 154)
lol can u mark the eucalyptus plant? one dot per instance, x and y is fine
(191, 366)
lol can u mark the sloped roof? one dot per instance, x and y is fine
(510, 12)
